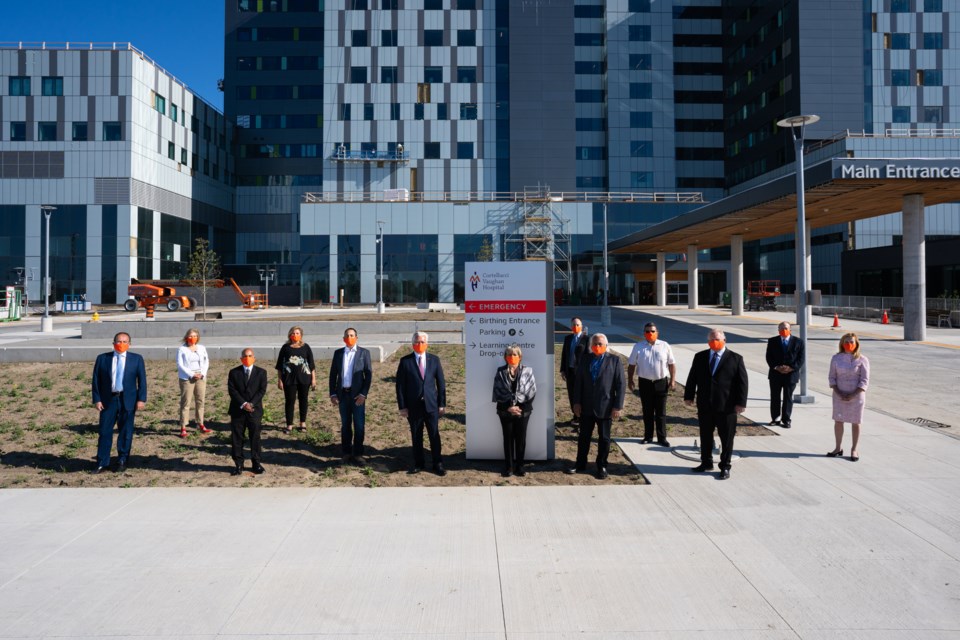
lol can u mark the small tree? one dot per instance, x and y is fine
(485, 252)
(203, 269)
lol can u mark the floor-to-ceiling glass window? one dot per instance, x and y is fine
(468, 249)
(410, 267)
(314, 269)
(348, 268)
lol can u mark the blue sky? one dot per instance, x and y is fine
(185, 37)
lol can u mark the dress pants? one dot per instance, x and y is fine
(238, 425)
(726, 426)
(514, 439)
(781, 394)
(114, 413)
(419, 417)
(654, 409)
(192, 392)
(587, 422)
(291, 394)
(571, 374)
(352, 420)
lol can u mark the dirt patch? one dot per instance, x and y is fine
(48, 435)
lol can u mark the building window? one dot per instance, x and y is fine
(111, 132)
(585, 96)
(344, 111)
(899, 6)
(52, 86)
(638, 33)
(641, 179)
(431, 150)
(591, 153)
(466, 38)
(423, 93)
(357, 5)
(174, 112)
(183, 156)
(933, 115)
(443, 111)
(896, 40)
(588, 11)
(933, 6)
(641, 119)
(368, 111)
(900, 77)
(79, 132)
(901, 115)
(19, 86)
(433, 74)
(388, 4)
(433, 38)
(588, 39)
(433, 5)
(47, 131)
(933, 41)
(464, 151)
(930, 77)
(418, 112)
(18, 132)
(468, 111)
(467, 74)
(358, 38)
(358, 75)
(171, 151)
(639, 6)
(395, 111)
(640, 62)
(592, 67)
(589, 124)
(388, 75)
(641, 149)
(641, 90)
(388, 38)
(467, 5)
(160, 103)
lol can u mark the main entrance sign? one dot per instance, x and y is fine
(508, 303)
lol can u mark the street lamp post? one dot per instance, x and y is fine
(381, 308)
(796, 124)
(46, 322)
(605, 309)
(267, 273)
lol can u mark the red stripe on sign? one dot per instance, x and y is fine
(506, 306)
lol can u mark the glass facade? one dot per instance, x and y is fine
(410, 267)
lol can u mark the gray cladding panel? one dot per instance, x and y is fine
(542, 95)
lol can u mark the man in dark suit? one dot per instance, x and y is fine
(119, 389)
(785, 358)
(422, 399)
(246, 384)
(718, 381)
(599, 392)
(574, 346)
(350, 377)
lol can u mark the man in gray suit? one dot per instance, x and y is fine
(598, 395)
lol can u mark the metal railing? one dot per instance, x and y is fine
(509, 196)
(887, 133)
(872, 307)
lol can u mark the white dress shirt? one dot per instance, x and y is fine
(652, 360)
(348, 355)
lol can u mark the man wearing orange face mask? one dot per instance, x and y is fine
(785, 359)
(119, 390)
(350, 377)
(574, 346)
(599, 392)
(718, 382)
(246, 384)
(422, 400)
(656, 370)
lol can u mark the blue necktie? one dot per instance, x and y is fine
(118, 374)
(595, 367)
(714, 359)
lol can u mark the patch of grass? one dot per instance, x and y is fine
(317, 438)
(49, 427)
(74, 446)
(17, 434)
(56, 439)
(46, 383)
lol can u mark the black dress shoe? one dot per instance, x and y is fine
(519, 472)
(99, 470)
(506, 473)
(258, 468)
(664, 443)
(724, 474)
(572, 470)
(854, 458)
(602, 474)
(122, 467)
(414, 470)
(439, 470)
(702, 467)
(835, 454)
(359, 461)
(785, 425)
(646, 441)
(774, 423)
(236, 471)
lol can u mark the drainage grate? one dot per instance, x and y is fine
(933, 424)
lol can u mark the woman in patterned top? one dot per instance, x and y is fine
(297, 375)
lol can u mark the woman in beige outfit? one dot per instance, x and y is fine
(192, 365)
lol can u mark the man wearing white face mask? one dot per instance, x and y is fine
(598, 396)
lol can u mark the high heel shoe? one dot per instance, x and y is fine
(835, 454)
(854, 458)
(183, 432)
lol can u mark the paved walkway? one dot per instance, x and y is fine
(795, 545)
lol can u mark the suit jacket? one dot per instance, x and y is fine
(134, 380)
(242, 390)
(793, 357)
(410, 387)
(362, 373)
(578, 351)
(599, 398)
(722, 391)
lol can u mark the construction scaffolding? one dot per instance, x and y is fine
(541, 234)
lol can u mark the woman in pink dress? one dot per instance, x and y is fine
(849, 377)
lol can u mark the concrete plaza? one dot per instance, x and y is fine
(794, 545)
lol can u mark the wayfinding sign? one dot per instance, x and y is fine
(508, 303)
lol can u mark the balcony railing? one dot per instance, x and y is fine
(350, 155)
(556, 197)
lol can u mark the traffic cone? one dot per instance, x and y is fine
(149, 308)
(884, 319)
(836, 320)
